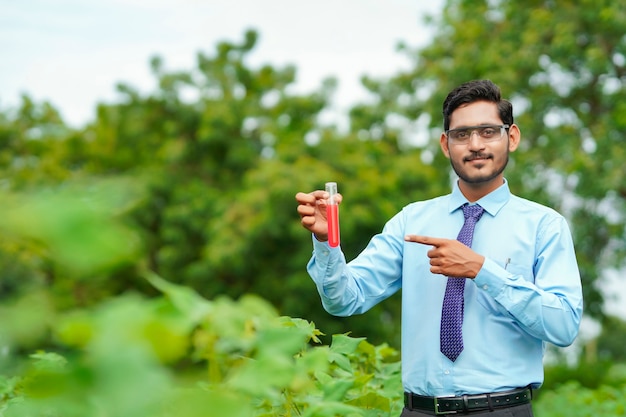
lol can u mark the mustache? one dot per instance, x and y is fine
(477, 155)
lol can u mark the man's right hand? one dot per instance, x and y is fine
(312, 211)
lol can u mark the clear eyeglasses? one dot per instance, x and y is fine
(487, 133)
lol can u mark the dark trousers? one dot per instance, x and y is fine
(522, 410)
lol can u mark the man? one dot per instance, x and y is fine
(482, 292)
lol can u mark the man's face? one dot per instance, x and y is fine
(478, 162)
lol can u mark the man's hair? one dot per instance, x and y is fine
(476, 90)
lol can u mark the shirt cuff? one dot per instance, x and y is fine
(323, 248)
(324, 255)
(489, 278)
(323, 263)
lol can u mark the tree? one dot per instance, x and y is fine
(563, 64)
(215, 156)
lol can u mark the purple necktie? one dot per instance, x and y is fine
(451, 335)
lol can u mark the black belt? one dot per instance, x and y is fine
(467, 403)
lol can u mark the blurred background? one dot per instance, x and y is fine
(170, 138)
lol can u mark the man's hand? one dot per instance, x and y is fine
(450, 257)
(312, 211)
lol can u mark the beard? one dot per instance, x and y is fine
(479, 178)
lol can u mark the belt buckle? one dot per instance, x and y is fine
(436, 403)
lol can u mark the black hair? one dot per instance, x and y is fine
(476, 90)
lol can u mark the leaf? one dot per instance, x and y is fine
(74, 232)
(336, 389)
(371, 400)
(185, 299)
(307, 326)
(280, 342)
(340, 360)
(344, 344)
(215, 403)
(263, 378)
(331, 409)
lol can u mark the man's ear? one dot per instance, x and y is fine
(514, 137)
(443, 142)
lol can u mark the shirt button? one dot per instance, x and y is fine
(447, 372)
(485, 287)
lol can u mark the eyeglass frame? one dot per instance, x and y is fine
(473, 129)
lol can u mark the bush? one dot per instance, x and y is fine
(573, 400)
(181, 355)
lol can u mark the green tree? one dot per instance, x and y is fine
(563, 64)
(610, 342)
(31, 137)
(220, 150)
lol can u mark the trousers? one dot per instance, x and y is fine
(522, 410)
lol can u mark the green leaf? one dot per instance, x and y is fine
(344, 344)
(304, 325)
(74, 231)
(262, 378)
(185, 299)
(341, 360)
(336, 390)
(371, 400)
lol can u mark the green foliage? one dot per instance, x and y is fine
(610, 342)
(572, 400)
(65, 241)
(219, 150)
(181, 355)
(214, 179)
(587, 374)
(53, 216)
(176, 353)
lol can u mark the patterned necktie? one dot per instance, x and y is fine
(451, 335)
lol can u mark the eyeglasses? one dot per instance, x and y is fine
(488, 133)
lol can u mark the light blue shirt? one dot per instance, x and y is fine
(528, 291)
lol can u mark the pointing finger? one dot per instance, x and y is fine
(424, 240)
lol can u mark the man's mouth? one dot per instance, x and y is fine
(477, 157)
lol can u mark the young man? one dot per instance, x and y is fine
(487, 277)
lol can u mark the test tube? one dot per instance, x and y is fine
(332, 214)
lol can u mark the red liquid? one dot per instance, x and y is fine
(332, 216)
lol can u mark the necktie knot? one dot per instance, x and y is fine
(473, 212)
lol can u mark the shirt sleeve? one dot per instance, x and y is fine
(355, 287)
(550, 307)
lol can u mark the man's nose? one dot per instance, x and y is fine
(477, 142)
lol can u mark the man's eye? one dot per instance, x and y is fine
(488, 132)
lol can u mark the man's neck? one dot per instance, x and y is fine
(474, 192)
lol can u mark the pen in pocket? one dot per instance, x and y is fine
(508, 261)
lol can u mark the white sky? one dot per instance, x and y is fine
(73, 52)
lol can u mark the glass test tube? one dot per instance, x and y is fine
(332, 214)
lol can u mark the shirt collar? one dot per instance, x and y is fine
(492, 202)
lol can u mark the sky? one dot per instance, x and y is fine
(73, 52)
